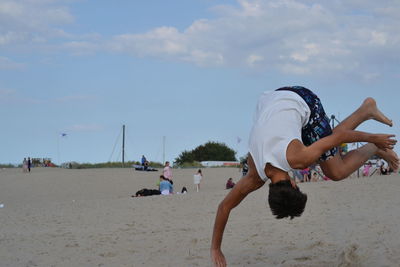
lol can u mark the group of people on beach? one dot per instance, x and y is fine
(165, 183)
(381, 168)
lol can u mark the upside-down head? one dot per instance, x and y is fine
(286, 200)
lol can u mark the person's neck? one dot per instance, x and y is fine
(275, 174)
(279, 177)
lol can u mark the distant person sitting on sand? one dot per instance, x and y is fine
(197, 179)
(166, 188)
(292, 131)
(229, 184)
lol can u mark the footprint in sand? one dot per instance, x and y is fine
(108, 254)
(72, 245)
(316, 244)
(349, 257)
(304, 258)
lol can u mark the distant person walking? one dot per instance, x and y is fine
(29, 164)
(167, 172)
(197, 179)
(25, 165)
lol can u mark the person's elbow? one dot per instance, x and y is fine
(300, 161)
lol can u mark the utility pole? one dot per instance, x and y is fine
(123, 145)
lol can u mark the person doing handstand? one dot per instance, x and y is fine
(292, 131)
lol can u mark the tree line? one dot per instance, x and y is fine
(210, 151)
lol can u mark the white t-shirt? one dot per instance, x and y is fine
(197, 178)
(279, 118)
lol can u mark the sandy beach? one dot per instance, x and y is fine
(62, 217)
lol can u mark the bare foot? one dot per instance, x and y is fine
(390, 157)
(373, 112)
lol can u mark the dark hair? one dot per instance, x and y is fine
(286, 201)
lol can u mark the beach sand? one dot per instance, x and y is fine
(62, 217)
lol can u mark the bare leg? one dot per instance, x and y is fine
(340, 167)
(368, 110)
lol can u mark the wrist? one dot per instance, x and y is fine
(370, 138)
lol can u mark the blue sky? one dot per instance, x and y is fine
(187, 70)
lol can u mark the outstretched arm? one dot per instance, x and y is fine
(246, 185)
(299, 156)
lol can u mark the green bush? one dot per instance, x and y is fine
(210, 151)
(127, 164)
(10, 166)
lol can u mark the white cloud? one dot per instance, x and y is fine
(378, 38)
(158, 42)
(12, 37)
(253, 59)
(292, 36)
(81, 47)
(8, 64)
(299, 37)
(25, 21)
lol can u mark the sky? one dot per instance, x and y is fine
(183, 72)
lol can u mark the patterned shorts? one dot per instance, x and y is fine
(318, 124)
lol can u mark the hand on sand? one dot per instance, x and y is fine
(390, 157)
(384, 141)
(218, 258)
